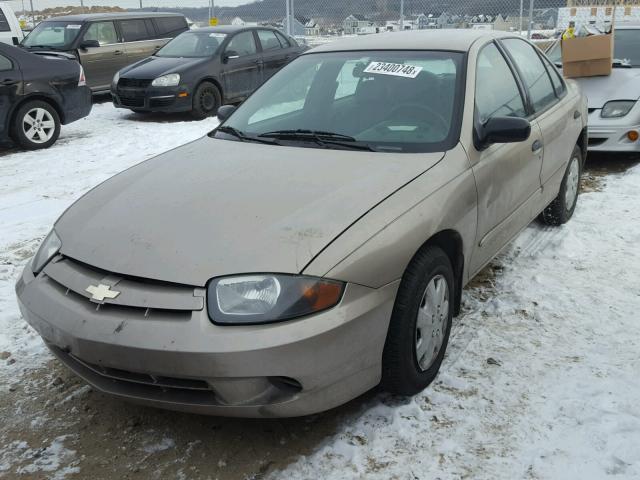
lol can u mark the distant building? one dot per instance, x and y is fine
(597, 16)
(356, 24)
(237, 21)
(311, 28)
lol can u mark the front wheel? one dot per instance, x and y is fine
(206, 101)
(561, 209)
(420, 323)
(36, 125)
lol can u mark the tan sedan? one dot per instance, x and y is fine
(316, 244)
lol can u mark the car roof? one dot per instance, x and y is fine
(229, 29)
(92, 17)
(436, 39)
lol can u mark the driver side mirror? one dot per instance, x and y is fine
(224, 112)
(15, 41)
(230, 55)
(89, 44)
(502, 130)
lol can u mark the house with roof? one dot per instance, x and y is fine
(356, 24)
(312, 28)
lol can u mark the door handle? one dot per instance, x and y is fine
(576, 115)
(118, 52)
(537, 146)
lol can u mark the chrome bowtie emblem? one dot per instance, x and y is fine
(101, 292)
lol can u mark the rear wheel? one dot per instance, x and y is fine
(420, 324)
(36, 125)
(206, 101)
(561, 209)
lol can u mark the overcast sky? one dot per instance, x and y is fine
(40, 4)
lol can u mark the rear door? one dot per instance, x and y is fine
(101, 63)
(558, 120)
(10, 79)
(139, 38)
(274, 54)
(507, 174)
(242, 66)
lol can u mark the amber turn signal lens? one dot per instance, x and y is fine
(183, 95)
(633, 135)
(322, 295)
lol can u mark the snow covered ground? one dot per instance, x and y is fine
(540, 380)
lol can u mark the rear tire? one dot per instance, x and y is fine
(561, 209)
(36, 125)
(420, 323)
(206, 101)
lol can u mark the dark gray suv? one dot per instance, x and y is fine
(106, 42)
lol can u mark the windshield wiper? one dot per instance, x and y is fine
(243, 137)
(320, 137)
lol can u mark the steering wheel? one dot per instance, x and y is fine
(421, 110)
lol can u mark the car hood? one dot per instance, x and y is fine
(153, 67)
(218, 207)
(622, 84)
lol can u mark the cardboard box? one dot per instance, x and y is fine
(587, 56)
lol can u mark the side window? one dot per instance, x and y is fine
(534, 74)
(134, 30)
(268, 40)
(242, 44)
(497, 93)
(556, 79)
(151, 29)
(103, 32)
(169, 27)
(5, 63)
(283, 40)
(4, 24)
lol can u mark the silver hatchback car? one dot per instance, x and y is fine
(316, 244)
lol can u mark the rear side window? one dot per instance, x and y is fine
(283, 40)
(4, 24)
(268, 40)
(170, 26)
(242, 44)
(558, 83)
(103, 32)
(5, 63)
(497, 93)
(135, 30)
(534, 74)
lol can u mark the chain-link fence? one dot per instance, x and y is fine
(320, 20)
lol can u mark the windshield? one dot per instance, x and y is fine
(387, 100)
(625, 47)
(59, 35)
(193, 45)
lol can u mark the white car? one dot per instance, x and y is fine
(10, 31)
(614, 110)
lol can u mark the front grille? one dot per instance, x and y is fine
(132, 102)
(138, 298)
(133, 83)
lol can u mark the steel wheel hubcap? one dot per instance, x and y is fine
(431, 324)
(573, 182)
(38, 125)
(208, 101)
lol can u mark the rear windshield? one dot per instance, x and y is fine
(57, 35)
(193, 45)
(397, 101)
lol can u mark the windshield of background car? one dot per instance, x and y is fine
(58, 35)
(193, 45)
(400, 101)
(625, 46)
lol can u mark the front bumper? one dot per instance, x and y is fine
(184, 362)
(152, 99)
(610, 135)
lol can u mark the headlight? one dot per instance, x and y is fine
(252, 299)
(171, 80)
(49, 248)
(617, 108)
(116, 78)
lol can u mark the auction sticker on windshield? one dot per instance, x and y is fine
(396, 69)
(74, 27)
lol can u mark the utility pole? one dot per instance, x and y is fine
(293, 19)
(33, 15)
(287, 21)
(521, 14)
(530, 19)
(401, 15)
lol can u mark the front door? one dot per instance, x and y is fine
(507, 175)
(242, 70)
(101, 63)
(10, 78)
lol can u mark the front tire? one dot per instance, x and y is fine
(561, 209)
(206, 101)
(420, 323)
(36, 125)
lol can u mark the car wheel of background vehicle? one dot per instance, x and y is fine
(206, 100)
(420, 323)
(562, 208)
(36, 125)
